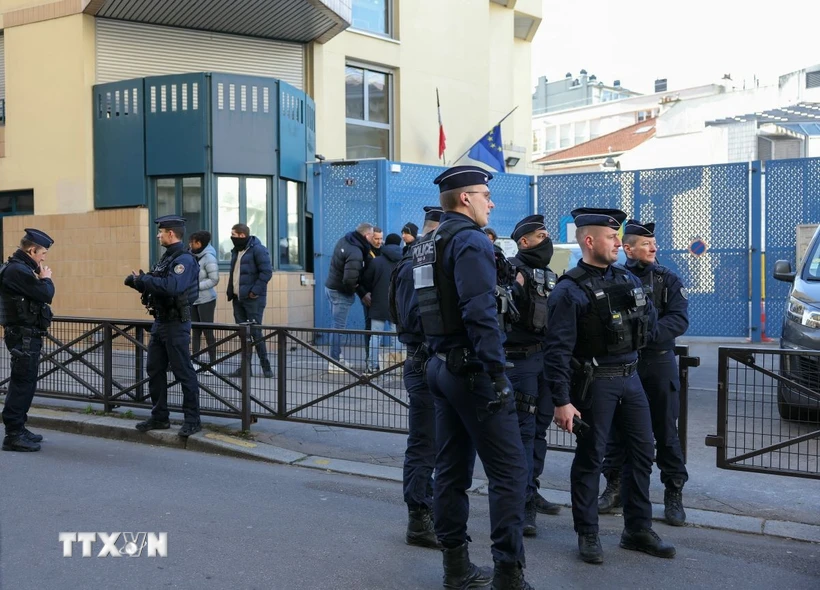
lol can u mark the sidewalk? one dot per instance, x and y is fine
(379, 455)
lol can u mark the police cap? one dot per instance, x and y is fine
(636, 228)
(433, 213)
(170, 221)
(38, 237)
(527, 225)
(461, 176)
(611, 218)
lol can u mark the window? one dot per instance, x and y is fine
(20, 202)
(240, 199)
(565, 140)
(290, 208)
(178, 196)
(368, 112)
(373, 16)
(552, 143)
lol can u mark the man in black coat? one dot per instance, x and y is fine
(377, 276)
(344, 282)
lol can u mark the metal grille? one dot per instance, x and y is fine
(694, 205)
(514, 200)
(792, 198)
(2, 66)
(768, 411)
(407, 193)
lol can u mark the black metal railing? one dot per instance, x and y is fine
(768, 413)
(103, 362)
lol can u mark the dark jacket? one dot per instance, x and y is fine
(347, 264)
(255, 271)
(377, 276)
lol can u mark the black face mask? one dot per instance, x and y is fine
(240, 243)
(537, 257)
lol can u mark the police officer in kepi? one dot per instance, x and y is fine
(658, 370)
(27, 291)
(599, 318)
(524, 348)
(168, 291)
(455, 278)
(420, 456)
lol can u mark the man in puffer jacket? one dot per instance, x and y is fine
(344, 281)
(377, 276)
(205, 305)
(251, 271)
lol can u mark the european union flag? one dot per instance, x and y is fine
(488, 149)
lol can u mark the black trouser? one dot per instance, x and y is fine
(169, 346)
(204, 312)
(25, 360)
(420, 456)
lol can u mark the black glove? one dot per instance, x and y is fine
(138, 282)
(503, 390)
(130, 281)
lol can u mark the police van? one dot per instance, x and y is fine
(801, 331)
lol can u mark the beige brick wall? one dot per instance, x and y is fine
(94, 252)
(2, 141)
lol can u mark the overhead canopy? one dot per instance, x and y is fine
(804, 112)
(288, 20)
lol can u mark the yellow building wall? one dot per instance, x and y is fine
(466, 49)
(48, 134)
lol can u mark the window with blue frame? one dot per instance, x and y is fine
(241, 199)
(291, 228)
(373, 16)
(19, 202)
(179, 195)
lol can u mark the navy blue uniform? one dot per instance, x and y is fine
(611, 398)
(464, 425)
(26, 300)
(420, 456)
(658, 370)
(176, 274)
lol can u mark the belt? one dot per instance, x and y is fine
(651, 354)
(25, 331)
(523, 351)
(615, 370)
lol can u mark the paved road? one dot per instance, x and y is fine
(242, 524)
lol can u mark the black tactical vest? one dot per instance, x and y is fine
(618, 320)
(539, 283)
(436, 292)
(655, 285)
(171, 308)
(17, 310)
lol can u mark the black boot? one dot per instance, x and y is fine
(509, 576)
(673, 510)
(530, 529)
(31, 436)
(420, 528)
(611, 498)
(544, 506)
(459, 573)
(648, 541)
(189, 428)
(589, 546)
(152, 424)
(18, 441)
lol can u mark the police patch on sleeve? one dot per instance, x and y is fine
(684, 293)
(179, 269)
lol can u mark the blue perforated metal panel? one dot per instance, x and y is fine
(292, 133)
(119, 144)
(175, 125)
(348, 195)
(710, 205)
(792, 199)
(407, 192)
(244, 121)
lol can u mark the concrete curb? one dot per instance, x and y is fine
(223, 444)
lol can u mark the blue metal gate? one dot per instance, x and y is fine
(389, 194)
(792, 198)
(703, 219)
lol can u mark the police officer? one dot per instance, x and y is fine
(658, 370)
(168, 292)
(420, 456)
(27, 291)
(598, 320)
(454, 276)
(524, 348)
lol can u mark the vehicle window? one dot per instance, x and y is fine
(813, 261)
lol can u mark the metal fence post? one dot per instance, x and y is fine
(108, 366)
(756, 253)
(684, 363)
(247, 359)
(139, 362)
(718, 440)
(282, 370)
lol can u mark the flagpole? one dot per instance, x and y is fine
(491, 128)
(443, 152)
